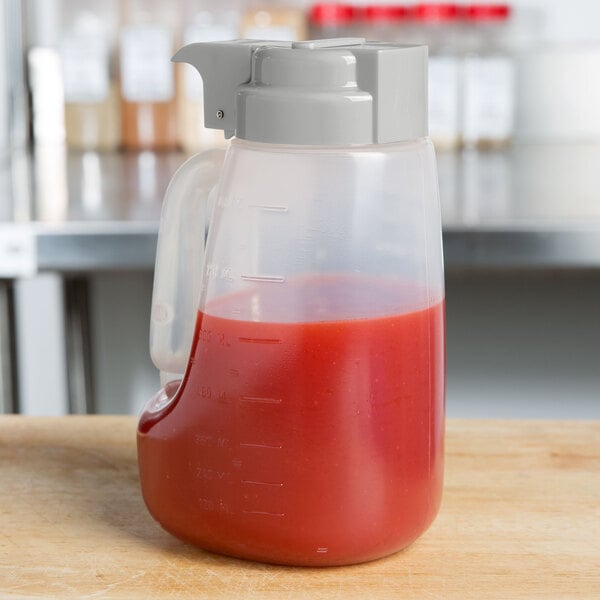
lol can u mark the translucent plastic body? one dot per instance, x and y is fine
(307, 427)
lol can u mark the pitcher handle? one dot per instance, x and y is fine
(179, 262)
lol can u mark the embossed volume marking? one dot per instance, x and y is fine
(269, 207)
(271, 446)
(322, 550)
(261, 400)
(264, 278)
(267, 483)
(259, 340)
(263, 512)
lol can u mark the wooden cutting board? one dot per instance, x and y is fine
(520, 519)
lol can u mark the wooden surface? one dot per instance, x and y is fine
(520, 519)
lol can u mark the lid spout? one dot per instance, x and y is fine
(223, 66)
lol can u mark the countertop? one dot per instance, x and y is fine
(532, 206)
(520, 519)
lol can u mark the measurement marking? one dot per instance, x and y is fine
(270, 207)
(322, 550)
(247, 445)
(269, 483)
(264, 278)
(263, 512)
(261, 400)
(259, 340)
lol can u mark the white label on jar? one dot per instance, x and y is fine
(274, 33)
(146, 68)
(488, 98)
(443, 98)
(196, 33)
(85, 67)
(47, 97)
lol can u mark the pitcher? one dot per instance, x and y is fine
(301, 347)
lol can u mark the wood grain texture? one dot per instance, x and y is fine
(520, 519)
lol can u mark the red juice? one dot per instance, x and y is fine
(302, 443)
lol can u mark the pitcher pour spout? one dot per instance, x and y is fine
(223, 67)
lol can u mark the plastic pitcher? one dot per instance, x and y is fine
(301, 342)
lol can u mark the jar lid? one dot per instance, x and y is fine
(332, 14)
(436, 12)
(487, 12)
(385, 12)
(333, 92)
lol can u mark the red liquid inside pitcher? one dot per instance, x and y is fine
(308, 443)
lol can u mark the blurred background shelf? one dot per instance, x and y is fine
(531, 206)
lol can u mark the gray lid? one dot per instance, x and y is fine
(321, 92)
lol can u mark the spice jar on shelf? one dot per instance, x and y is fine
(87, 51)
(437, 25)
(331, 20)
(205, 23)
(488, 78)
(386, 23)
(14, 129)
(44, 71)
(270, 22)
(147, 75)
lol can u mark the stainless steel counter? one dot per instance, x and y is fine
(529, 207)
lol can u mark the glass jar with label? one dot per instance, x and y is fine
(273, 23)
(44, 71)
(87, 52)
(4, 89)
(14, 116)
(488, 78)
(204, 23)
(385, 22)
(148, 103)
(331, 20)
(437, 26)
